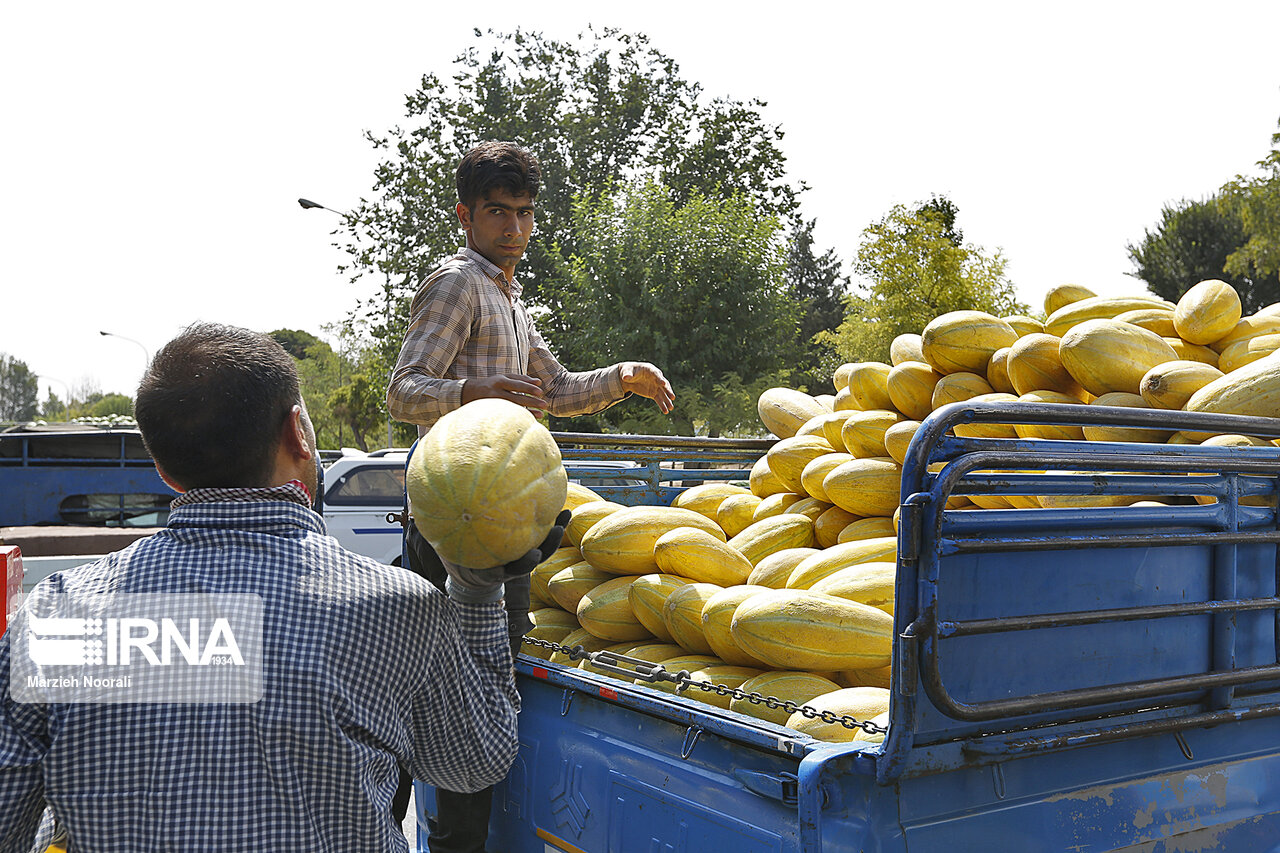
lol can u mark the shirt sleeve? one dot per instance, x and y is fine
(464, 717)
(421, 389)
(570, 393)
(23, 743)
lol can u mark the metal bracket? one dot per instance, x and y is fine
(566, 701)
(690, 740)
(783, 787)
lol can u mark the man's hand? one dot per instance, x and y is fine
(640, 377)
(519, 389)
(485, 585)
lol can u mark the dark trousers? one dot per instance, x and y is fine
(462, 820)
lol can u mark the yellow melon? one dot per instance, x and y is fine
(1251, 390)
(553, 626)
(623, 541)
(869, 583)
(582, 637)
(1158, 319)
(772, 571)
(1062, 295)
(882, 677)
(717, 614)
(775, 533)
(577, 494)
(1106, 355)
(998, 371)
(1247, 351)
(773, 505)
(810, 508)
(986, 430)
(585, 516)
(1170, 385)
(784, 686)
(906, 348)
(958, 387)
(844, 401)
(1035, 365)
(485, 484)
(860, 703)
(648, 594)
(831, 429)
(1123, 399)
(562, 558)
(813, 474)
(863, 432)
(1094, 308)
(827, 527)
(736, 513)
(866, 528)
(1024, 325)
(788, 457)
(1192, 352)
(828, 561)
(763, 481)
(911, 385)
(706, 498)
(869, 385)
(699, 556)
(606, 611)
(963, 341)
(840, 379)
(567, 586)
(799, 629)
(723, 675)
(898, 437)
(690, 663)
(865, 487)
(1249, 327)
(682, 614)
(783, 410)
(1207, 312)
(823, 425)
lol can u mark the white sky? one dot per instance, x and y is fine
(152, 153)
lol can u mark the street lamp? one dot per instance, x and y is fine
(145, 354)
(308, 204)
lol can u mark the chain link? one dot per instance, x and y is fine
(683, 680)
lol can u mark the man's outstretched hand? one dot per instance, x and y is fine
(640, 377)
(485, 585)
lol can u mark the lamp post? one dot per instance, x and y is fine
(308, 204)
(146, 356)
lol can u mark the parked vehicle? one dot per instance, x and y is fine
(1078, 678)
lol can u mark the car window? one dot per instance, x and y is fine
(373, 486)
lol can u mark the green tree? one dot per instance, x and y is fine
(19, 390)
(53, 409)
(821, 287)
(1193, 242)
(699, 289)
(110, 404)
(913, 269)
(1258, 200)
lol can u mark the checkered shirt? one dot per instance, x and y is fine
(468, 321)
(366, 667)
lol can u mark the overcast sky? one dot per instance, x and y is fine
(152, 153)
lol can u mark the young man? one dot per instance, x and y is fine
(365, 668)
(471, 336)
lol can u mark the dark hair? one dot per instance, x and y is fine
(491, 165)
(212, 403)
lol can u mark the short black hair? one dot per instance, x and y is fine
(492, 165)
(212, 404)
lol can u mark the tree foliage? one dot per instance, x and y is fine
(914, 267)
(821, 287)
(19, 390)
(1258, 201)
(1194, 241)
(697, 288)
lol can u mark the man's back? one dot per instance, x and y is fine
(365, 667)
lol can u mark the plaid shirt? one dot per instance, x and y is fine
(366, 667)
(467, 321)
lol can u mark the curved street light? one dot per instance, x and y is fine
(146, 355)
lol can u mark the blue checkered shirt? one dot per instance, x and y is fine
(366, 667)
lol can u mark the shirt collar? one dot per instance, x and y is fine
(493, 271)
(293, 491)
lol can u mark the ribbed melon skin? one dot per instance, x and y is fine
(699, 556)
(870, 583)
(963, 341)
(736, 513)
(866, 528)
(911, 387)
(1107, 355)
(1024, 325)
(863, 433)
(1158, 320)
(958, 387)
(1192, 352)
(865, 487)
(648, 594)
(828, 561)
(606, 612)
(785, 686)
(773, 570)
(860, 703)
(816, 471)
(1247, 351)
(773, 505)
(727, 674)
(907, 347)
(763, 481)
(1249, 327)
(544, 571)
(1094, 308)
(1062, 295)
(1036, 365)
(706, 498)
(799, 629)
(828, 526)
(788, 457)
(1207, 312)
(623, 542)
(762, 538)
(869, 384)
(567, 586)
(1252, 390)
(783, 410)
(717, 614)
(1123, 399)
(585, 516)
(485, 484)
(682, 615)
(1170, 385)
(998, 371)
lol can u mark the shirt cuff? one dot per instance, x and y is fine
(613, 383)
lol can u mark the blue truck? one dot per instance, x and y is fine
(1080, 678)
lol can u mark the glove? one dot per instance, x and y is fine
(481, 586)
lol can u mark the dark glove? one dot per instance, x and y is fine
(487, 585)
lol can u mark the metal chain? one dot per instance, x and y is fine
(683, 680)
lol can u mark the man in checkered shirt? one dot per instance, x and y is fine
(366, 667)
(470, 336)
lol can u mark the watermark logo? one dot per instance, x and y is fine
(137, 648)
